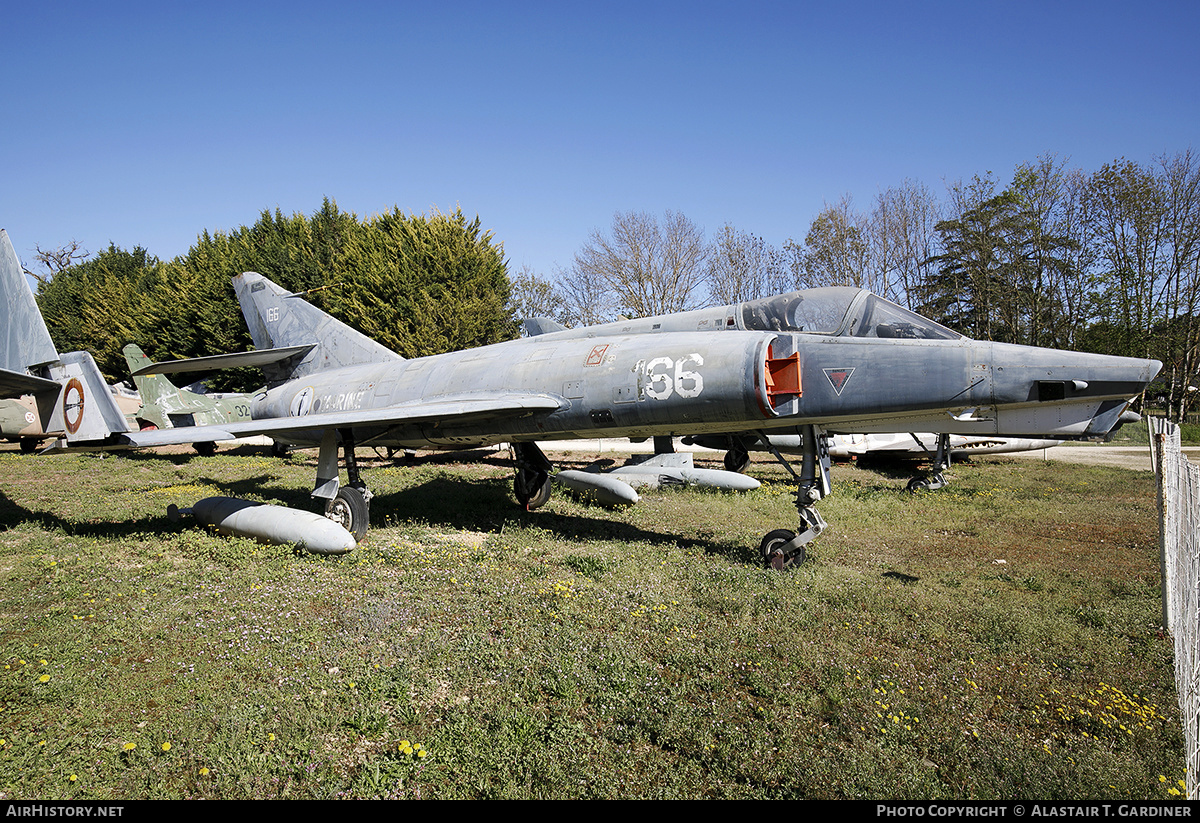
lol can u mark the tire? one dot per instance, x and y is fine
(737, 461)
(206, 449)
(350, 510)
(29, 444)
(771, 546)
(528, 495)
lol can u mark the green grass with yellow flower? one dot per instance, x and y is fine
(997, 639)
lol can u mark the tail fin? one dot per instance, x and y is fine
(279, 319)
(153, 388)
(71, 395)
(24, 342)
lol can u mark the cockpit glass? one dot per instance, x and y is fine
(882, 318)
(840, 311)
(814, 311)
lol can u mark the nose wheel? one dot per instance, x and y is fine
(783, 548)
(939, 460)
(779, 550)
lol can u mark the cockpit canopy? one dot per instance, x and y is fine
(840, 311)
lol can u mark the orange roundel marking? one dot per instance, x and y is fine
(73, 405)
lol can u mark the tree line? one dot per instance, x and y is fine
(418, 284)
(1105, 261)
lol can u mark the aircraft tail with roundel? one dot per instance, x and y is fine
(73, 400)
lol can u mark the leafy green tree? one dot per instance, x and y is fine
(298, 252)
(836, 249)
(1059, 254)
(424, 285)
(1180, 176)
(96, 305)
(1127, 209)
(1146, 223)
(974, 278)
(420, 285)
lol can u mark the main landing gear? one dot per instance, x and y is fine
(737, 459)
(349, 505)
(532, 482)
(783, 548)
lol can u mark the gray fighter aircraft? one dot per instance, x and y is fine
(846, 312)
(844, 360)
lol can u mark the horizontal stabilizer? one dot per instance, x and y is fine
(16, 384)
(225, 361)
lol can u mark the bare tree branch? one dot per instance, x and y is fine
(55, 260)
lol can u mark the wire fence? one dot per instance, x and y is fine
(1179, 518)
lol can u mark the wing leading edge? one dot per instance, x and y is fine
(467, 408)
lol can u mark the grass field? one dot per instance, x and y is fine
(997, 639)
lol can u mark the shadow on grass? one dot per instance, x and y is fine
(487, 505)
(482, 505)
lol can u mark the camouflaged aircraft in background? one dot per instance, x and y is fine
(166, 406)
(840, 360)
(19, 423)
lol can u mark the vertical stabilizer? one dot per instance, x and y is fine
(86, 409)
(69, 389)
(279, 319)
(24, 342)
(154, 389)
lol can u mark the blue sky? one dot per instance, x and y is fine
(148, 123)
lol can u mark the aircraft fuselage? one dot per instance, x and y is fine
(700, 382)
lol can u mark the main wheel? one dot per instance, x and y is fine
(772, 550)
(28, 444)
(737, 460)
(206, 449)
(532, 489)
(350, 510)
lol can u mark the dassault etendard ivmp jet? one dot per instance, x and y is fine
(838, 361)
